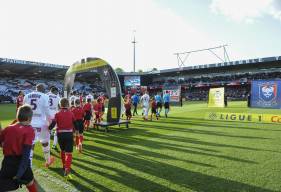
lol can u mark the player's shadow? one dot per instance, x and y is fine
(142, 130)
(172, 147)
(198, 131)
(177, 176)
(223, 124)
(196, 141)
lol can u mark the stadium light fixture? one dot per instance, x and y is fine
(185, 55)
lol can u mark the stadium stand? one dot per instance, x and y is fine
(235, 76)
(16, 75)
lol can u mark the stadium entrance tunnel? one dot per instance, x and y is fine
(107, 76)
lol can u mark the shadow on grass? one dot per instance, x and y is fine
(145, 133)
(160, 145)
(197, 131)
(146, 170)
(224, 124)
(156, 172)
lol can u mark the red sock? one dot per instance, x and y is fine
(81, 139)
(77, 140)
(32, 188)
(62, 155)
(68, 161)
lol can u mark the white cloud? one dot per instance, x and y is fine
(67, 30)
(246, 10)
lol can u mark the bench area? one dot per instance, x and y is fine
(106, 125)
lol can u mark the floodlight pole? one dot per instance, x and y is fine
(134, 59)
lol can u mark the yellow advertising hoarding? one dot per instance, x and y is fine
(216, 97)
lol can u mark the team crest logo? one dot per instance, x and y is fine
(268, 91)
(105, 72)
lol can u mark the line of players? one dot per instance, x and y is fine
(37, 115)
(147, 102)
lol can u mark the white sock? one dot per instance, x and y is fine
(46, 151)
(55, 139)
(31, 157)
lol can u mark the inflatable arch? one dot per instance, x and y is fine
(108, 77)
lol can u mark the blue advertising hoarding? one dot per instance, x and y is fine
(266, 94)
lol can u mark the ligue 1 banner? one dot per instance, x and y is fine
(216, 97)
(266, 94)
(174, 91)
(244, 117)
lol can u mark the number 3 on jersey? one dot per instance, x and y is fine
(33, 104)
(50, 102)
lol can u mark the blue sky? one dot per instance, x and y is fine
(258, 38)
(65, 31)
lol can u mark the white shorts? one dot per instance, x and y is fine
(42, 134)
(145, 111)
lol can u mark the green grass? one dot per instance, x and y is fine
(181, 153)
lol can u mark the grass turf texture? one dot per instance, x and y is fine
(181, 153)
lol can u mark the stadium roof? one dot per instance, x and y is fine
(9, 67)
(30, 68)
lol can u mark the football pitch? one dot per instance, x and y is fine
(181, 153)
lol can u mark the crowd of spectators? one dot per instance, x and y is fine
(232, 93)
(237, 86)
(220, 79)
(10, 87)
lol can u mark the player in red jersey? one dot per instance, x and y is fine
(127, 105)
(88, 114)
(20, 99)
(153, 109)
(19, 103)
(98, 111)
(81, 99)
(102, 101)
(79, 127)
(16, 141)
(64, 119)
(128, 96)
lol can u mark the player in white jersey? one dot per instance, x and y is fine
(54, 100)
(145, 105)
(39, 103)
(72, 99)
(90, 96)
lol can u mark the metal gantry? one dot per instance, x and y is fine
(183, 56)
